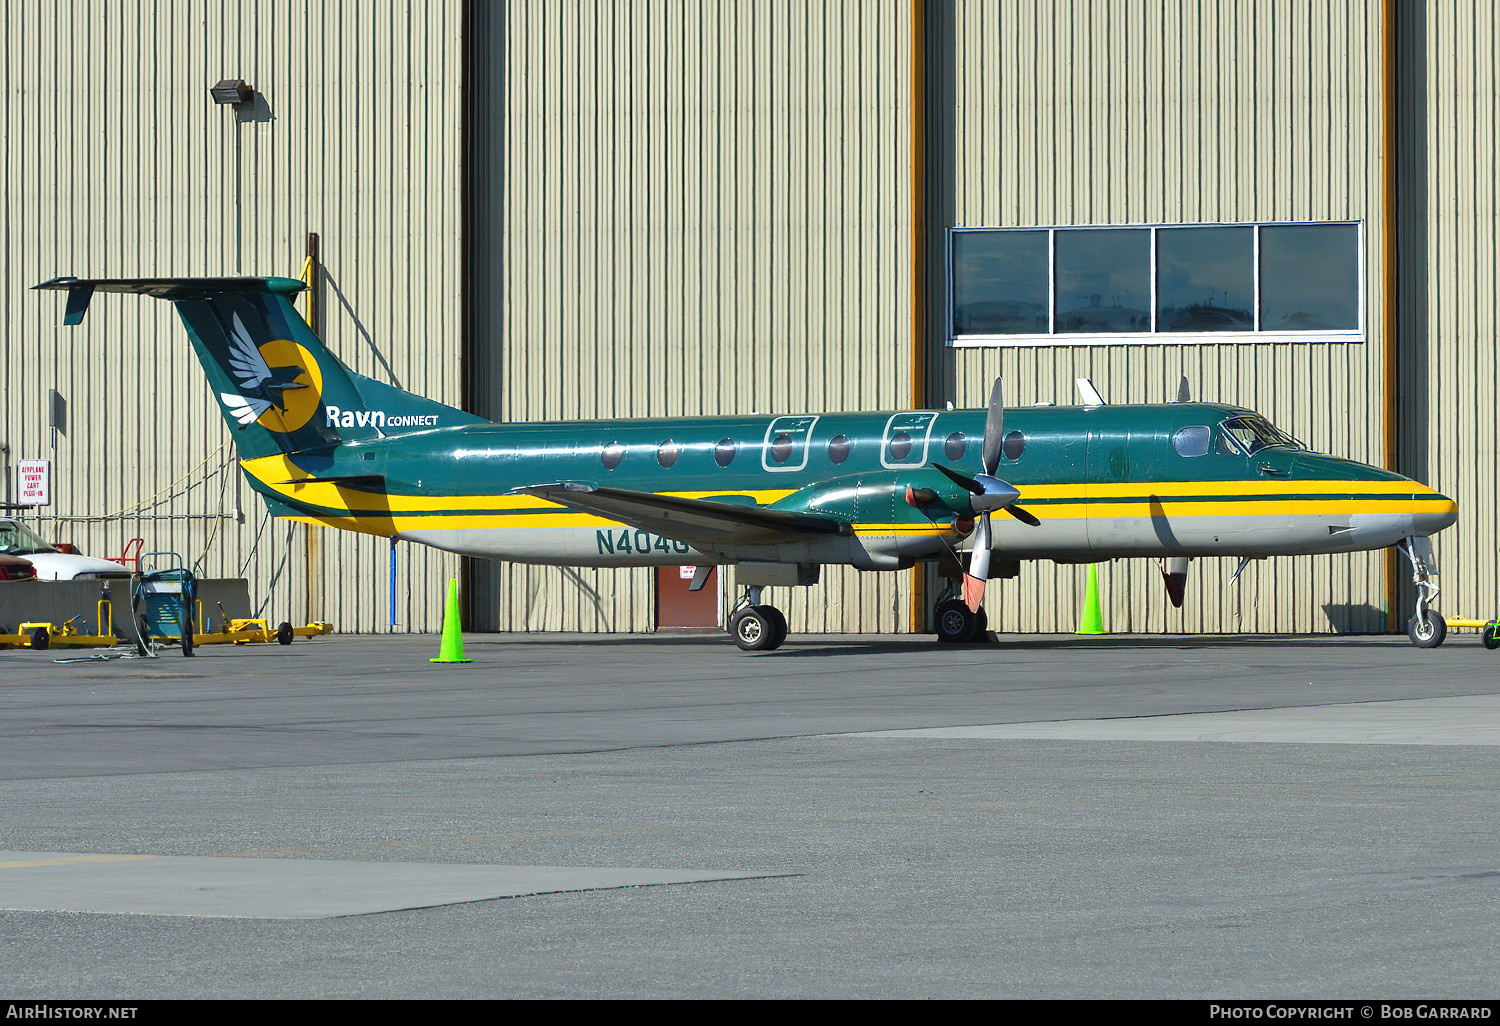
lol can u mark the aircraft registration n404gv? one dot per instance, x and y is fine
(778, 497)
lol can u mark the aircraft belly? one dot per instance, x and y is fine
(1247, 535)
(1066, 537)
(571, 546)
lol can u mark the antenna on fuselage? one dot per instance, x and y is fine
(1088, 393)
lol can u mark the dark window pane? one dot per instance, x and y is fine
(1014, 445)
(1104, 280)
(1309, 277)
(613, 453)
(1205, 279)
(781, 448)
(955, 446)
(725, 450)
(839, 447)
(999, 282)
(666, 453)
(900, 446)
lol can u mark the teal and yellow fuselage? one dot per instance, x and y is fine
(1104, 482)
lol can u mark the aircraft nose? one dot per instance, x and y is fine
(1431, 511)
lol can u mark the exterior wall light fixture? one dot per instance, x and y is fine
(232, 90)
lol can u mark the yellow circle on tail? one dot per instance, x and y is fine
(300, 403)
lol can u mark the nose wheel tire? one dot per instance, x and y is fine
(956, 624)
(1428, 632)
(758, 628)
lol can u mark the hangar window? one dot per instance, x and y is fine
(1192, 441)
(1106, 285)
(725, 451)
(613, 453)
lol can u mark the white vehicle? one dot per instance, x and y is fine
(16, 539)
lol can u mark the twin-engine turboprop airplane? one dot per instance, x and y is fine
(778, 497)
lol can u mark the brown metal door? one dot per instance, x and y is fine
(676, 607)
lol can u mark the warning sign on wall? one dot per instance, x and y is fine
(34, 482)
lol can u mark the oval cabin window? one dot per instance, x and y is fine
(666, 453)
(839, 448)
(955, 446)
(613, 453)
(781, 448)
(900, 446)
(725, 451)
(1013, 446)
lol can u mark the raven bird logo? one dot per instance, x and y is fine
(263, 387)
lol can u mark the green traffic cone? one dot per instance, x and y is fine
(1092, 622)
(452, 650)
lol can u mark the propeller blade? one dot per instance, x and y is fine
(960, 480)
(979, 566)
(1023, 516)
(994, 427)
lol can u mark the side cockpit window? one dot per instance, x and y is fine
(1192, 441)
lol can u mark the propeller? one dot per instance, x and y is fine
(987, 493)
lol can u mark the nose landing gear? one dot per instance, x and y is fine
(1426, 628)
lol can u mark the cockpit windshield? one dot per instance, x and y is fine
(16, 540)
(1250, 434)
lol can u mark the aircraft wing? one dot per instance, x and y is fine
(695, 521)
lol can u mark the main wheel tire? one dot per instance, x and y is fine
(1491, 638)
(955, 622)
(284, 634)
(1427, 633)
(40, 639)
(753, 630)
(778, 621)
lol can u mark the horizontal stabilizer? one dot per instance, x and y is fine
(695, 521)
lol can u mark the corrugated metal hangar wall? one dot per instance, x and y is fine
(657, 208)
(118, 164)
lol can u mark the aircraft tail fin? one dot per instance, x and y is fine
(278, 386)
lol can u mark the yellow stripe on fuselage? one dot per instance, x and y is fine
(386, 514)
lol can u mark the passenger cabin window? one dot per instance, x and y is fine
(1192, 441)
(839, 448)
(666, 453)
(613, 453)
(781, 448)
(900, 446)
(955, 446)
(1013, 446)
(724, 452)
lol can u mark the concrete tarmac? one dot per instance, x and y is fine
(1117, 817)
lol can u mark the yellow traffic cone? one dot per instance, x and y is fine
(1092, 622)
(452, 649)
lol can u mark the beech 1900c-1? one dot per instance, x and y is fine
(778, 497)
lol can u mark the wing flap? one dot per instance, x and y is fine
(696, 521)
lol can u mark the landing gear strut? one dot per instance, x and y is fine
(756, 627)
(1426, 628)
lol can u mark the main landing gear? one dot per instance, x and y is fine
(1426, 628)
(756, 627)
(957, 624)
